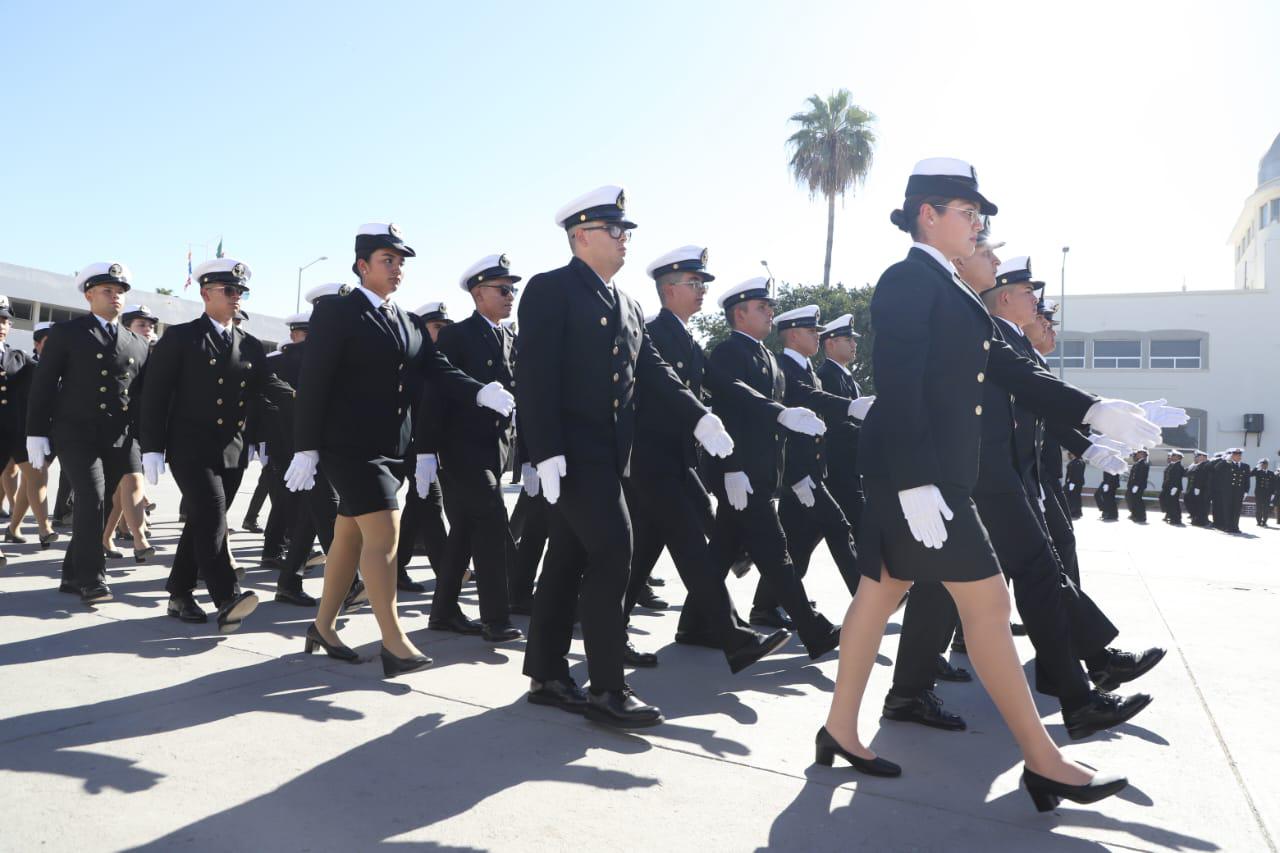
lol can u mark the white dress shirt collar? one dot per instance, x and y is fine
(843, 369)
(219, 327)
(1011, 325)
(374, 299)
(796, 357)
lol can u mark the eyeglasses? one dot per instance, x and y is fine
(975, 217)
(229, 290)
(697, 284)
(617, 232)
(504, 289)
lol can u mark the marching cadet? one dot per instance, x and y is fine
(353, 415)
(34, 483)
(808, 512)
(423, 519)
(839, 348)
(1075, 485)
(472, 449)
(1263, 490)
(204, 378)
(669, 504)
(1171, 487)
(1105, 497)
(16, 369)
(1133, 498)
(747, 482)
(584, 357)
(89, 373)
(1199, 485)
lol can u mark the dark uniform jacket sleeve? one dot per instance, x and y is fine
(42, 400)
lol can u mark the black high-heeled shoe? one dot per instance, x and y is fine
(393, 666)
(111, 553)
(47, 539)
(827, 748)
(14, 538)
(140, 555)
(1046, 793)
(333, 650)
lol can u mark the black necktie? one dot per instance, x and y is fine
(389, 317)
(226, 338)
(111, 332)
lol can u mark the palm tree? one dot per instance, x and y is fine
(831, 152)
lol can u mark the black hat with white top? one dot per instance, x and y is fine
(949, 178)
(1017, 271)
(433, 312)
(488, 268)
(841, 326)
(805, 317)
(753, 288)
(603, 204)
(683, 259)
(224, 271)
(105, 272)
(380, 235)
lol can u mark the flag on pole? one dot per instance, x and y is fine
(188, 284)
(218, 254)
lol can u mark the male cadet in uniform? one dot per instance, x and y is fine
(423, 519)
(1105, 497)
(1264, 488)
(807, 510)
(89, 372)
(1075, 485)
(1196, 495)
(1235, 484)
(840, 346)
(669, 504)
(202, 379)
(474, 447)
(1133, 498)
(584, 356)
(1171, 488)
(747, 482)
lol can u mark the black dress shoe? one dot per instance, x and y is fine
(457, 623)
(1125, 667)
(697, 638)
(826, 749)
(251, 526)
(501, 632)
(1046, 793)
(231, 615)
(741, 566)
(404, 583)
(294, 595)
(654, 580)
(632, 656)
(771, 618)
(95, 593)
(622, 709)
(523, 607)
(828, 640)
(650, 600)
(1017, 629)
(185, 608)
(925, 709)
(1104, 711)
(111, 553)
(393, 666)
(565, 695)
(947, 672)
(68, 587)
(333, 650)
(756, 648)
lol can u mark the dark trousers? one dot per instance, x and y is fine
(805, 527)
(62, 503)
(1137, 506)
(285, 506)
(1106, 502)
(1074, 495)
(588, 560)
(529, 528)
(927, 624)
(1197, 505)
(1261, 507)
(1062, 534)
(94, 472)
(478, 531)
(846, 488)
(317, 512)
(260, 493)
(758, 531)
(423, 521)
(1172, 509)
(669, 512)
(202, 548)
(1021, 542)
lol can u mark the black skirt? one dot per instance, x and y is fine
(363, 485)
(884, 538)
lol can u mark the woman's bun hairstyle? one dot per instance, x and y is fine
(899, 218)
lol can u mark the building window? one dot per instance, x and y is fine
(1275, 210)
(1189, 435)
(1262, 217)
(1072, 351)
(53, 314)
(1116, 354)
(1180, 355)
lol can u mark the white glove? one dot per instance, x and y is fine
(1173, 492)
(711, 434)
(424, 473)
(1124, 422)
(1111, 444)
(1163, 415)
(253, 453)
(494, 396)
(301, 475)
(736, 488)
(38, 450)
(1071, 487)
(549, 473)
(1104, 458)
(1133, 490)
(1197, 491)
(262, 453)
(804, 491)
(802, 420)
(153, 467)
(1106, 487)
(859, 407)
(529, 480)
(926, 513)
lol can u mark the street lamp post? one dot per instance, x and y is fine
(297, 303)
(1062, 315)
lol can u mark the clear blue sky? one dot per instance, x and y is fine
(1131, 131)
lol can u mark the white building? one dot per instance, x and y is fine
(37, 296)
(1213, 352)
